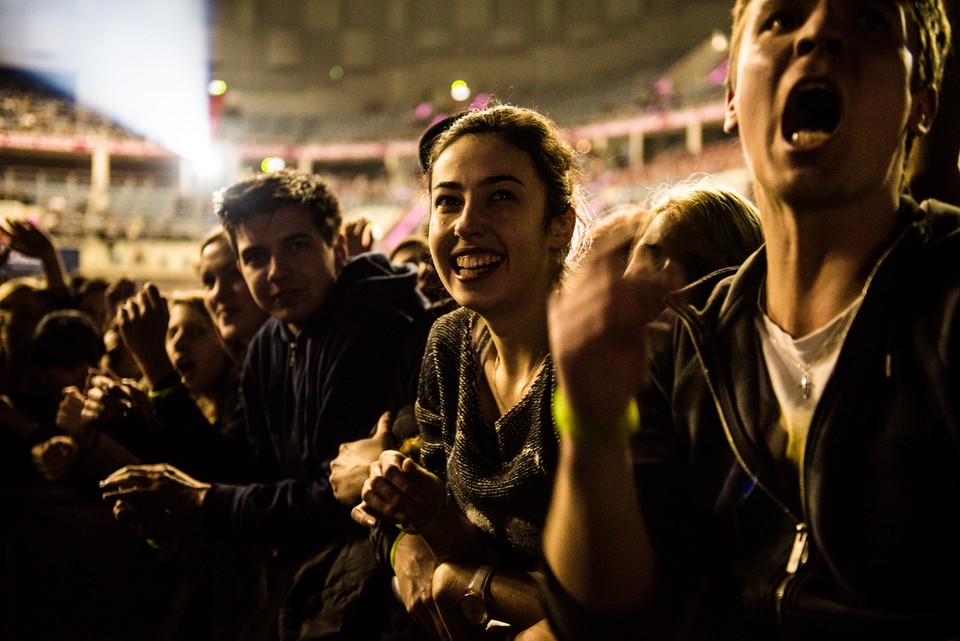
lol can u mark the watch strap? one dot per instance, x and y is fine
(474, 603)
(481, 580)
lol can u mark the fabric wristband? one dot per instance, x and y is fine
(569, 425)
(165, 391)
(393, 551)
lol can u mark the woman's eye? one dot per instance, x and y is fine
(445, 203)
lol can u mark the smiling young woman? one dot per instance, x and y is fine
(504, 222)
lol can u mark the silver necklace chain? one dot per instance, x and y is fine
(839, 330)
(806, 385)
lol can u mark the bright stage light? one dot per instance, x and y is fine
(210, 168)
(459, 90)
(272, 164)
(144, 65)
(216, 88)
(719, 41)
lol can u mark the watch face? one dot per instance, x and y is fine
(474, 609)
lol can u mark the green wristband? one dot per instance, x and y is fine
(165, 391)
(570, 426)
(393, 551)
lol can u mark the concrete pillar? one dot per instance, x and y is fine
(695, 138)
(305, 163)
(99, 179)
(635, 148)
(186, 175)
(395, 174)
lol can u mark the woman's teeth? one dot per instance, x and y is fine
(476, 261)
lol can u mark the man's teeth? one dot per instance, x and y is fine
(475, 261)
(808, 138)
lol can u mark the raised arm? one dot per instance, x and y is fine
(30, 240)
(142, 321)
(358, 236)
(596, 544)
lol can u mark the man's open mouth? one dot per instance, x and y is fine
(184, 366)
(811, 115)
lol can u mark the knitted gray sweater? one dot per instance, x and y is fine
(499, 474)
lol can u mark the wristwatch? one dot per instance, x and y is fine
(474, 603)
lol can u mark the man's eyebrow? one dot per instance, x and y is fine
(249, 249)
(296, 236)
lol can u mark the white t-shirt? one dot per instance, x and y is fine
(799, 370)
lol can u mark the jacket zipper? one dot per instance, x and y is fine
(798, 556)
(799, 552)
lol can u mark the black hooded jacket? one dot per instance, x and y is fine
(304, 395)
(861, 543)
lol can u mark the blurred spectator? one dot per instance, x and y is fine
(416, 250)
(358, 236)
(226, 295)
(65, 346)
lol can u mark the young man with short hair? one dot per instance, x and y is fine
(797, 453)
(319, 373)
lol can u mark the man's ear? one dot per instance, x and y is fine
(924, 110)
(561, 229)
(730, 122)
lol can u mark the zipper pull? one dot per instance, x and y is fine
(798, 555)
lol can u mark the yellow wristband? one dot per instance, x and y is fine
(165, 391)
(393, 551)
(569, 425)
